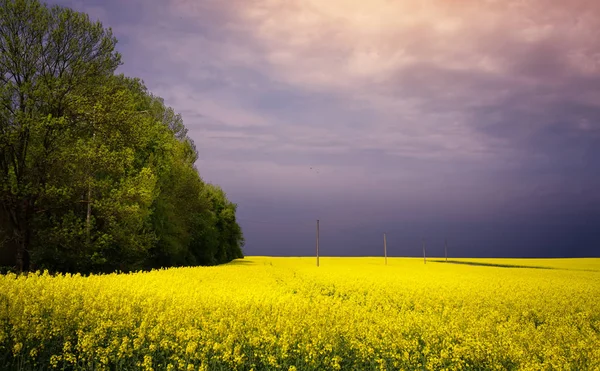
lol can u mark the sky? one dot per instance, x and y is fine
(475, 121)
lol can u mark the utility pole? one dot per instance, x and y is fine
(317, 242)
(385, 248)
(446, 248)
(424, 256)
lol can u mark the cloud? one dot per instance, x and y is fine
(424, 70)
(476, 120)
(488, 89)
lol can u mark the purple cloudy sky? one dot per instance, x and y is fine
(476, 120)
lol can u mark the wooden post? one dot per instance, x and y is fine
(317, 242)
(424, 256)
(446, 248)
(385, 248)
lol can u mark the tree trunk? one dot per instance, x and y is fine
(22, 255)
(89, 214)
(22, 233)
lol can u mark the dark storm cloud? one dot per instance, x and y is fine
(479, 120)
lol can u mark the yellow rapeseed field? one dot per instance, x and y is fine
(285, 313)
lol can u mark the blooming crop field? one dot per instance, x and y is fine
(286, 313)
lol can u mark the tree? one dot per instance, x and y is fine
(96, 173)
(97, 209)
(49, 59)
(230, 238)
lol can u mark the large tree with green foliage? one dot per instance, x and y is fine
(97, 208)
(96, 173)
(49, 59)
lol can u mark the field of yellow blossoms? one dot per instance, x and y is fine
(266, 313)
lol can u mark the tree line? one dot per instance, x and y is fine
(96, 173)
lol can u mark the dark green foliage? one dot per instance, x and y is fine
(96, 173)
(229, 234)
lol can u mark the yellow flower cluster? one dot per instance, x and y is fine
(287, 314)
